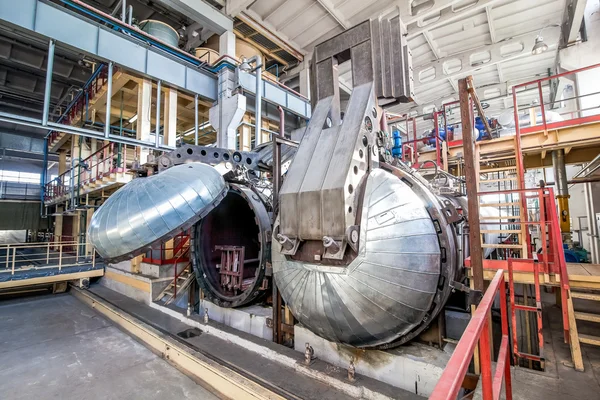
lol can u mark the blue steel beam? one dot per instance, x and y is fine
(132, 51)
(52, 22)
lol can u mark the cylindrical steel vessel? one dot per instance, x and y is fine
(397, 281)
(241, 220)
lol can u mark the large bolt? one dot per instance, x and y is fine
(206, 315)
(308, 354)
(285, 242)
(331, 244)
(351, 370)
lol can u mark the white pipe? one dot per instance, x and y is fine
(47, 89)
(258, 96)
(158, 94)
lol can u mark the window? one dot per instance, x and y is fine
(19, 177)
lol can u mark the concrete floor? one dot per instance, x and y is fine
(56, 347)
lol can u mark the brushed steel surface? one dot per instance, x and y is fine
(149, 210)
(388, 289)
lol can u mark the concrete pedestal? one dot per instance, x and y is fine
(414, 367)
(251, 319)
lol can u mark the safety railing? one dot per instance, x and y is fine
(80, 103)
(18, 257)
(111, 158)
(478, 332)
(170, 251)
(557, 101)
(19, 191)
(181, 258)
(549, 252)
(525, 257)
(432, 136)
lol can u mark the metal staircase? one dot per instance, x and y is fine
(181, 280)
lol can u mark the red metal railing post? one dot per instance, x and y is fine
(513, 315)
(416, 154)
(539, 85)
(438, 142)
(538, 305)
(485, 359)
(477, 331)
(545, 244)
(504, 322)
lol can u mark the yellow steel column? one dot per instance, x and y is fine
(562, 193)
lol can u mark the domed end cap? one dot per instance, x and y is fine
(150, 210)
(387, 291)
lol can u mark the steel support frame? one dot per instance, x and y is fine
(471, 171)
(37, 123)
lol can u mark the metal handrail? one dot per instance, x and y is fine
(176, 274)
(478, 331)
(540, 97)
(108, 159)
(45, 253)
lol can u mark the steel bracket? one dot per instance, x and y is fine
(473, 296)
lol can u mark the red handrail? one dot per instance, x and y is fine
(99, 164)
(478, 331)
(177, 275)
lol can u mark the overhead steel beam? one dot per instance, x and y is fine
(202, 12)
(267, 29)
(335, 13)
(447, 14)
(49, 21)
(37, 123)
(506, 50)
(234, 7)
(572, 20)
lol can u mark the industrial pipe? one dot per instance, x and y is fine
(196, 119)
(158, 93)
(277, 161)
(258, 94)
(48, 88)
(562, 190)
(108, 99)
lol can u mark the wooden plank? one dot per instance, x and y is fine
(501, 218)
(499, 180)
(500, 169)
(508, 204)
(585, 296)
(501, 246)
(500, 231)
(574, 337)
(129, 280)
(583, 316)
(589, 339)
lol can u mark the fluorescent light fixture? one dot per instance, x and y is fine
(200, 127)
(133, 119)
